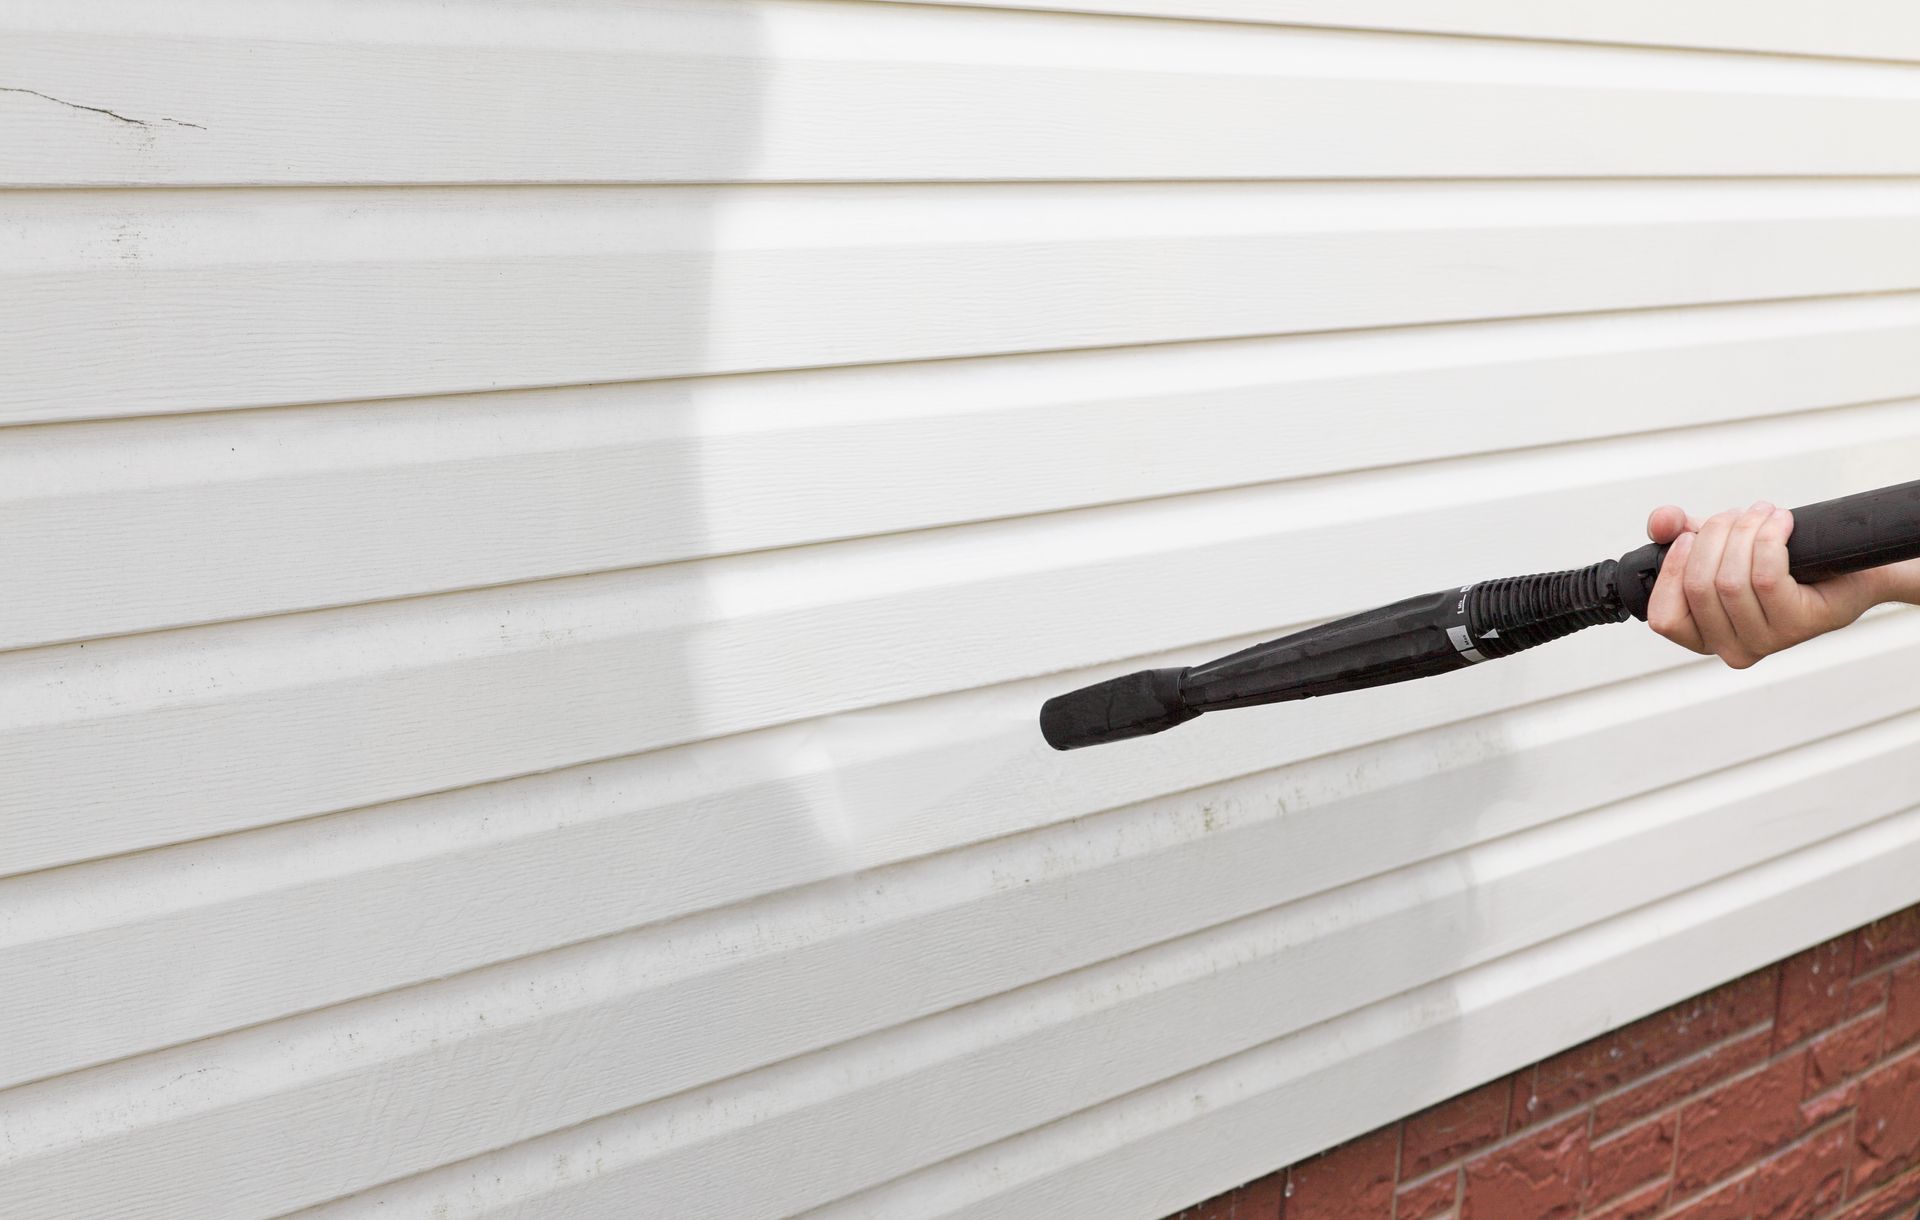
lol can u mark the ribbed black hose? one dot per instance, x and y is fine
(1519, 612)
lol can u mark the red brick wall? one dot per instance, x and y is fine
(1790, 1094)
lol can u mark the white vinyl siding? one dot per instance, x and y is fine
(533, 535)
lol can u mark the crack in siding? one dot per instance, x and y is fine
(112, 114)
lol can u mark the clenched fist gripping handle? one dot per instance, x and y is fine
(1455, 628)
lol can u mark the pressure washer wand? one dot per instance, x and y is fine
(1455, 628)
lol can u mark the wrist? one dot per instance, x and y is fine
(1896, 582)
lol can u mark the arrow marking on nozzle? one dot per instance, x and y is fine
(1493, 634)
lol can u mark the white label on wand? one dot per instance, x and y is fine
(1463, 643)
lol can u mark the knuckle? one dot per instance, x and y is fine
(1729, 586)
(1765, 582)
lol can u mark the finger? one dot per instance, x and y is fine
(1667, 611)
(1773, 585)
(1734, 582)
(1668, 522)
(1703, 597)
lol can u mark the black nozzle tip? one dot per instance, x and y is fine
(1114, 710)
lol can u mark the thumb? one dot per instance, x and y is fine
(1668, 522)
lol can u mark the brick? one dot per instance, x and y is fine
(1258, 1200)
(1220, 1207)
(1526, 1098)
(1813, 991)
(1739, 1123)
(1262, 1199)
(1623, 1056)
(1803, 1181)
(1452, 1129)
(1637, 1206)
(1632, 1159)
(1351, 1182)
(1689, 1076)
(1887, 1125)
(1827, 1105)
(1846, 1051)
(1903, 1006)
(1867, 993)
(1886, 1202)
(1744, 1002)
(1538, 1177)
(1429, 1199)
(1729, 1202)
(1800, 1182)
(1883, 940)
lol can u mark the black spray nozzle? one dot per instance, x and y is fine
(1130, 706)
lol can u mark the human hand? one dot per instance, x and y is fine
(1724, 589)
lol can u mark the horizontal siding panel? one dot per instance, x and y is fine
(193, 300)
(105, 94)
(190, 733)
(1867, 29)
(1284, 1100)
(1032, 1056)
(154, 523)
(323, 911)
(571, 1021)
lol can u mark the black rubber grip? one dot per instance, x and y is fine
(1832, 537)
(1855, 532)
(1393, 643)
